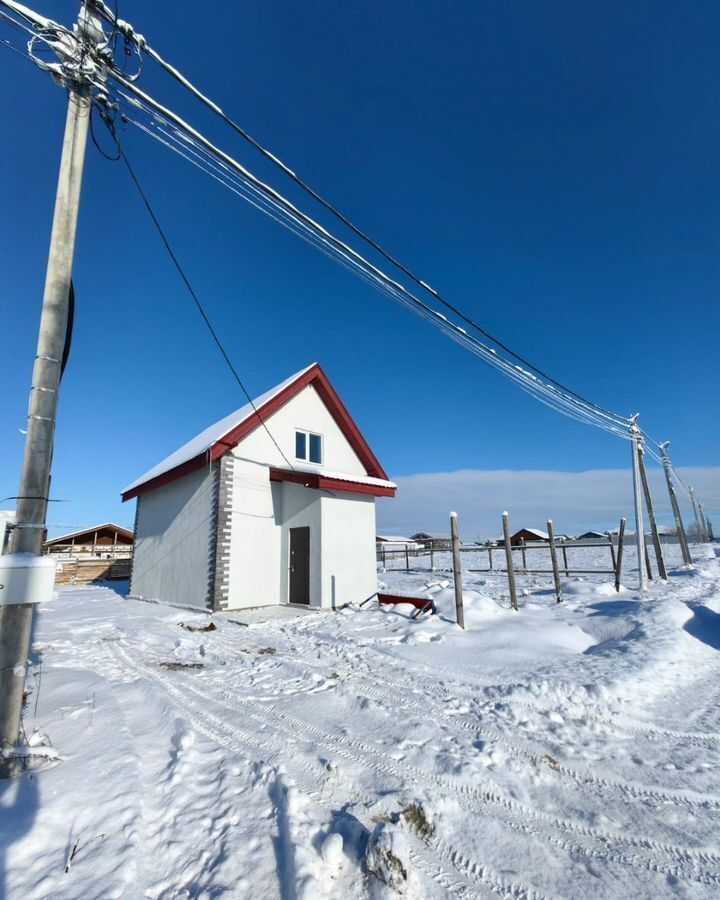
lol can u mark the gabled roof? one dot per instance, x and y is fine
(218, 439)
(543, 535)
(64, 538)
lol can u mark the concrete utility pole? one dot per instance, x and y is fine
(16, 620)
(651, 516)
(639, 524)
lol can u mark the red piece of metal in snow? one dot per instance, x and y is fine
(417, 602)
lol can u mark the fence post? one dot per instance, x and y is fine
(457, 570)
(612, 551)
(705, 523)
(647, 560)
(565, 559)
(490, 549)
(618, 567)
(407, 558)
(509, 561)
(639, 525)
(698, 524)
(553, 556)
(432, 555)
(524, 557)
(682, 537)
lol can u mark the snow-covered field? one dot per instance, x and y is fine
(560, 751)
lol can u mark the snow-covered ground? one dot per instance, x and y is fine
(560, 751)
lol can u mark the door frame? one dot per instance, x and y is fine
(309, 530)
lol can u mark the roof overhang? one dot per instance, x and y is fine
(63, 538)
(318, 481)
(314, 376)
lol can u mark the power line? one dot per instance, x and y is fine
(143, 47)
(222, 167)
(181, 272)
(550, 395)
(140, 100)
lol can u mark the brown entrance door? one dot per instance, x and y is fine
(300, 565)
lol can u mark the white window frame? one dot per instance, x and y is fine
(307, 434)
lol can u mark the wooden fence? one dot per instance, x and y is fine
(87, 571)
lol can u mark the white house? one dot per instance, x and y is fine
(274, 504)
(391, 542)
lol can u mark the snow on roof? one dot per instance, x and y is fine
(72, 534)
(339, 476)
(536, 531)
(214, 433)
(394, 538)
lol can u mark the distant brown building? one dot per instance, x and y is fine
(528, 535)
(108, 541)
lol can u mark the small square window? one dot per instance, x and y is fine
(308, 447)
(315, 448)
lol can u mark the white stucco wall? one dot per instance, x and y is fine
(172, 553)
(302, 507)
(307, 412)
(264, 512)
(256, 524)
(349, 570)
(342, 541)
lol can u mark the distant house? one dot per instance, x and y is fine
(438, 541)
(526, 535)
(274, 504)
(593, 536)
(391, 542)
(106, 541)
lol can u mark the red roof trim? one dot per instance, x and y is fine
(197, 462)
(313, 376)
(323, 483)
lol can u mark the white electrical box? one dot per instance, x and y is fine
(25, 578)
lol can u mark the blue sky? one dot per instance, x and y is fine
(552, 168)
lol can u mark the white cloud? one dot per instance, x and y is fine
(575, 501)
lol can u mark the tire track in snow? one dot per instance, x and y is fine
(314, 786)
(515, 814)
(585, 780)
(628, 792)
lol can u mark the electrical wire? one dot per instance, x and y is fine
(140, 100)
(560, 400)
(228, 172)
(143, 47)
(191, 290)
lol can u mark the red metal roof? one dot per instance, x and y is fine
(314, 376)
